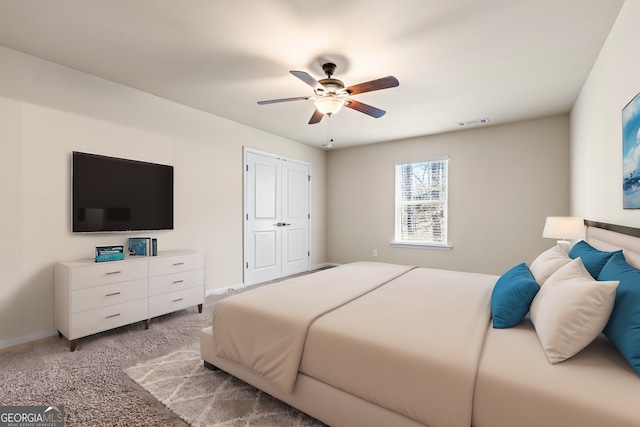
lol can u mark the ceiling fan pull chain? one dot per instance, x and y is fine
(329, 142)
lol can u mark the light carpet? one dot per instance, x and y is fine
(203, 397)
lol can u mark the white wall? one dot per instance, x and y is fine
(596, 125)
(503, 182)
(47, 111)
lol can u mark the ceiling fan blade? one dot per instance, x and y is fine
(316, 117)
(273, 101)
(383, 83)
(365, 108)
(306, 77)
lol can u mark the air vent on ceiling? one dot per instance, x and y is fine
(474, 122)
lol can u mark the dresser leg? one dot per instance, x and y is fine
(199, 308)
(72, 345)
(146, 324)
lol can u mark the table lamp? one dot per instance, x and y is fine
(563, 227)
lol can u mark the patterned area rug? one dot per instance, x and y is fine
(203, 397)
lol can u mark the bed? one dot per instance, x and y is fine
(375, 344)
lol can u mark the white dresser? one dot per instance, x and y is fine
(93, 297)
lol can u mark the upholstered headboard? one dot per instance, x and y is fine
(610, 237)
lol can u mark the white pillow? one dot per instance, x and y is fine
(571, 310)
(547, 263)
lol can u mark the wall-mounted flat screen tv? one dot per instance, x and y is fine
(113, 194)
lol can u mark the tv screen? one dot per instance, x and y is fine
(112, 194)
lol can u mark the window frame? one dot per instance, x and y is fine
(398, 204)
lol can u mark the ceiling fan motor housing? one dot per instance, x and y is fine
(330, 85)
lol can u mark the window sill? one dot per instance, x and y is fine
(421, 246)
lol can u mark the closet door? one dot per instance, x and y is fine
(263, 202)
(276, 241)
(295, 218)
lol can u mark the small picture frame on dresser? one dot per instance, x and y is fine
(139, 246)
(109, 253)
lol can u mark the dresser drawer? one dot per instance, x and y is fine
(166, 303)
(175, 282)
(110, 272)
(106, 295)
(101, 319)
(173, 264)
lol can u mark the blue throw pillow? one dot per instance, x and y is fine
(623, 328)
(512, 296)
(592, 258)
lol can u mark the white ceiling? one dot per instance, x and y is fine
(456, 60)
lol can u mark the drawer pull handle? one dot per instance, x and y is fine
(113, 315)
(114, 272)
(115, 293)
(178, 281)
(178, 263)
(179, 299)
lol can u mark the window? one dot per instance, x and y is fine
(421, 203)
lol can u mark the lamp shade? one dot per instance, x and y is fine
(329, 104)
(563, 227)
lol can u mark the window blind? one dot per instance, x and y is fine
(421, 202)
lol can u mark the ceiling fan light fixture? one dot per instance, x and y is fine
(329, 104)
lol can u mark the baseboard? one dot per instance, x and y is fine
(220, 291)
(28, 338)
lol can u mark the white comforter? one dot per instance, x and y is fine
(265, 330)
(406, 339)
(411, 346)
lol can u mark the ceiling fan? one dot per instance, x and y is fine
(330, 94)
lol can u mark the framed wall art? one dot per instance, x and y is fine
(631, 154)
